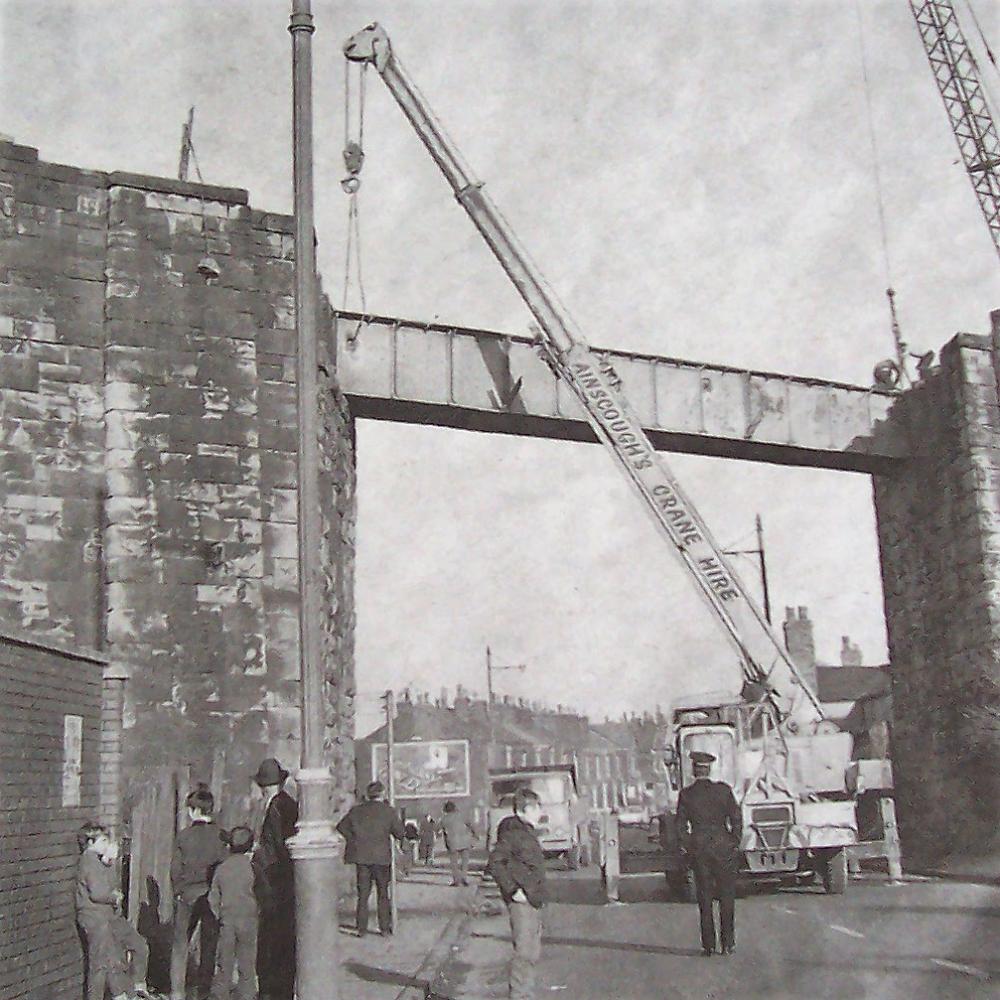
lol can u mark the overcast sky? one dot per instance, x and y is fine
(694, 178)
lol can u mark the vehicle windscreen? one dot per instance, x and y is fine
(552, 789)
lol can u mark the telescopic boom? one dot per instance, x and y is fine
(598, 389)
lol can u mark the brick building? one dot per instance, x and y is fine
(613, 767)
(60, 713)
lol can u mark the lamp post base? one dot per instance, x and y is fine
(314, 849)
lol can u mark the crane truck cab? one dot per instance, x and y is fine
(562, 827)
(792, 788)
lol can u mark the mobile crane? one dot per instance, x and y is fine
(788, 764)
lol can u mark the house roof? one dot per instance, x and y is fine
(852, 683)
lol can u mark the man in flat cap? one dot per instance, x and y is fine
(368, 829)
(709, 829)
(276, 885)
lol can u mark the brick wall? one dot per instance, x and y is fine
(148, 436)
(939, 534)
(40, 955)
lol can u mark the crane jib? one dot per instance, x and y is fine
(672, 508)
(596, 386)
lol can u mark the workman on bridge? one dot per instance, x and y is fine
(709, 829)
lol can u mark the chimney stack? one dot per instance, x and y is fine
(800, 643)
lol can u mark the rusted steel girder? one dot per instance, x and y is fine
(414, 372)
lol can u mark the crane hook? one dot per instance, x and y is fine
(354, 158)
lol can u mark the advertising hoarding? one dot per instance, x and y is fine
(425, 769)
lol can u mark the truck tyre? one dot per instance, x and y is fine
(573, 858)
(835, 872)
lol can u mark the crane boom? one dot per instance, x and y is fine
(598, 390)
(956, 74)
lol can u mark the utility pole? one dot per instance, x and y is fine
(390, 760)
(763, 569)
(314, 846)
(491, 667)
(762, 562)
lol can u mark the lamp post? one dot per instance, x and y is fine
(313, 848)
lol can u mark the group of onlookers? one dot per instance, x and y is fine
(236, 890)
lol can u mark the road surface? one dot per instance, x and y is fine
(933, 939)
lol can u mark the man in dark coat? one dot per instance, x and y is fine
(276, 885)
(368, 828)
(709, 828)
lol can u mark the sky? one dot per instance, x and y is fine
(695, 179)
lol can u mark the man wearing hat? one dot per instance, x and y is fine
(276, 885)
(368, 829)
(709, 829)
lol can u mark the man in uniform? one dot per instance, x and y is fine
(709, 829)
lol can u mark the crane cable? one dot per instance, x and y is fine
(354, 157)
(890, 292)
(989, 96)
(982, 37)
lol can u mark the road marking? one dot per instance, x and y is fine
(846, 930)
(785, 909)
(969, 970)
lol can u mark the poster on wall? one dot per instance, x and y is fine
(425, 769)
(72, 759)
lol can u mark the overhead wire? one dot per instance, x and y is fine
(986, 84)
(899, 345)
(873, 141)
(982, 37)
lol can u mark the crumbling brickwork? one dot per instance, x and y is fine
(147, 445)
(939, 534)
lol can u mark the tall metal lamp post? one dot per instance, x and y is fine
(313, 848)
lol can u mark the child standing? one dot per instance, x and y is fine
(110, 937)
(518, 866)
(233, 902)
(197, 851)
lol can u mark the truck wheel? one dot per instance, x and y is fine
(573, 858)
(835, 872)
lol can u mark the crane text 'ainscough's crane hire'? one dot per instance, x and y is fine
(635, 451)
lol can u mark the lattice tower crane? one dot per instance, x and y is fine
(957, 75)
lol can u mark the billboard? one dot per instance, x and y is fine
(425, 769)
